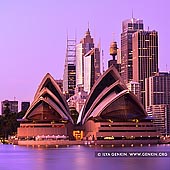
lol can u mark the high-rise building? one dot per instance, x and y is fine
(91, 68)
(145, 57)
(128, 28)
(85, 45)
(9, 106)
(69, 77)
(158, 89)
(157, 100)
(25, 106)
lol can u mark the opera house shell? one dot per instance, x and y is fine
(113, 113)
(110, 99)
(48, 114)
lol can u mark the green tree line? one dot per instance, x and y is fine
(9, 123)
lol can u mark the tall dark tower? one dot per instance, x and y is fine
(129, 27)
(69, 77)
(145, 57)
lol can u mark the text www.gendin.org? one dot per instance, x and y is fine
(132, 154)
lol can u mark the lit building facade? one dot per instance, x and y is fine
(69, 77)
(145, 57)
(128, 28)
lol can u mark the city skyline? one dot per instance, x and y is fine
(33, 36)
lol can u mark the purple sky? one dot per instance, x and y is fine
(33, 36)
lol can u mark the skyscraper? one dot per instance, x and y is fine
(158, 89)
(85, 45)
(145, 57)
(128, 28)
(69, 77)
(158, 100)
(91, 68)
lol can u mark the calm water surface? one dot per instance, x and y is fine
(78, 158)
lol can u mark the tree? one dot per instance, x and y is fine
(9, 123)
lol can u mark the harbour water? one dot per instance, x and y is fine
(79, 158)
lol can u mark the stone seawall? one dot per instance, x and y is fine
(57, 143)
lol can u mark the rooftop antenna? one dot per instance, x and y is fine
(88, 25)
(166, 68)
(99, 44)
(132, 17)
(132, 13)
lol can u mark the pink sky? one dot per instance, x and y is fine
(33, 36)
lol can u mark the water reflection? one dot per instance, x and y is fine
(77, 158)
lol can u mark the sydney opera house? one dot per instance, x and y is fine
(48, 114)
(111, 115)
